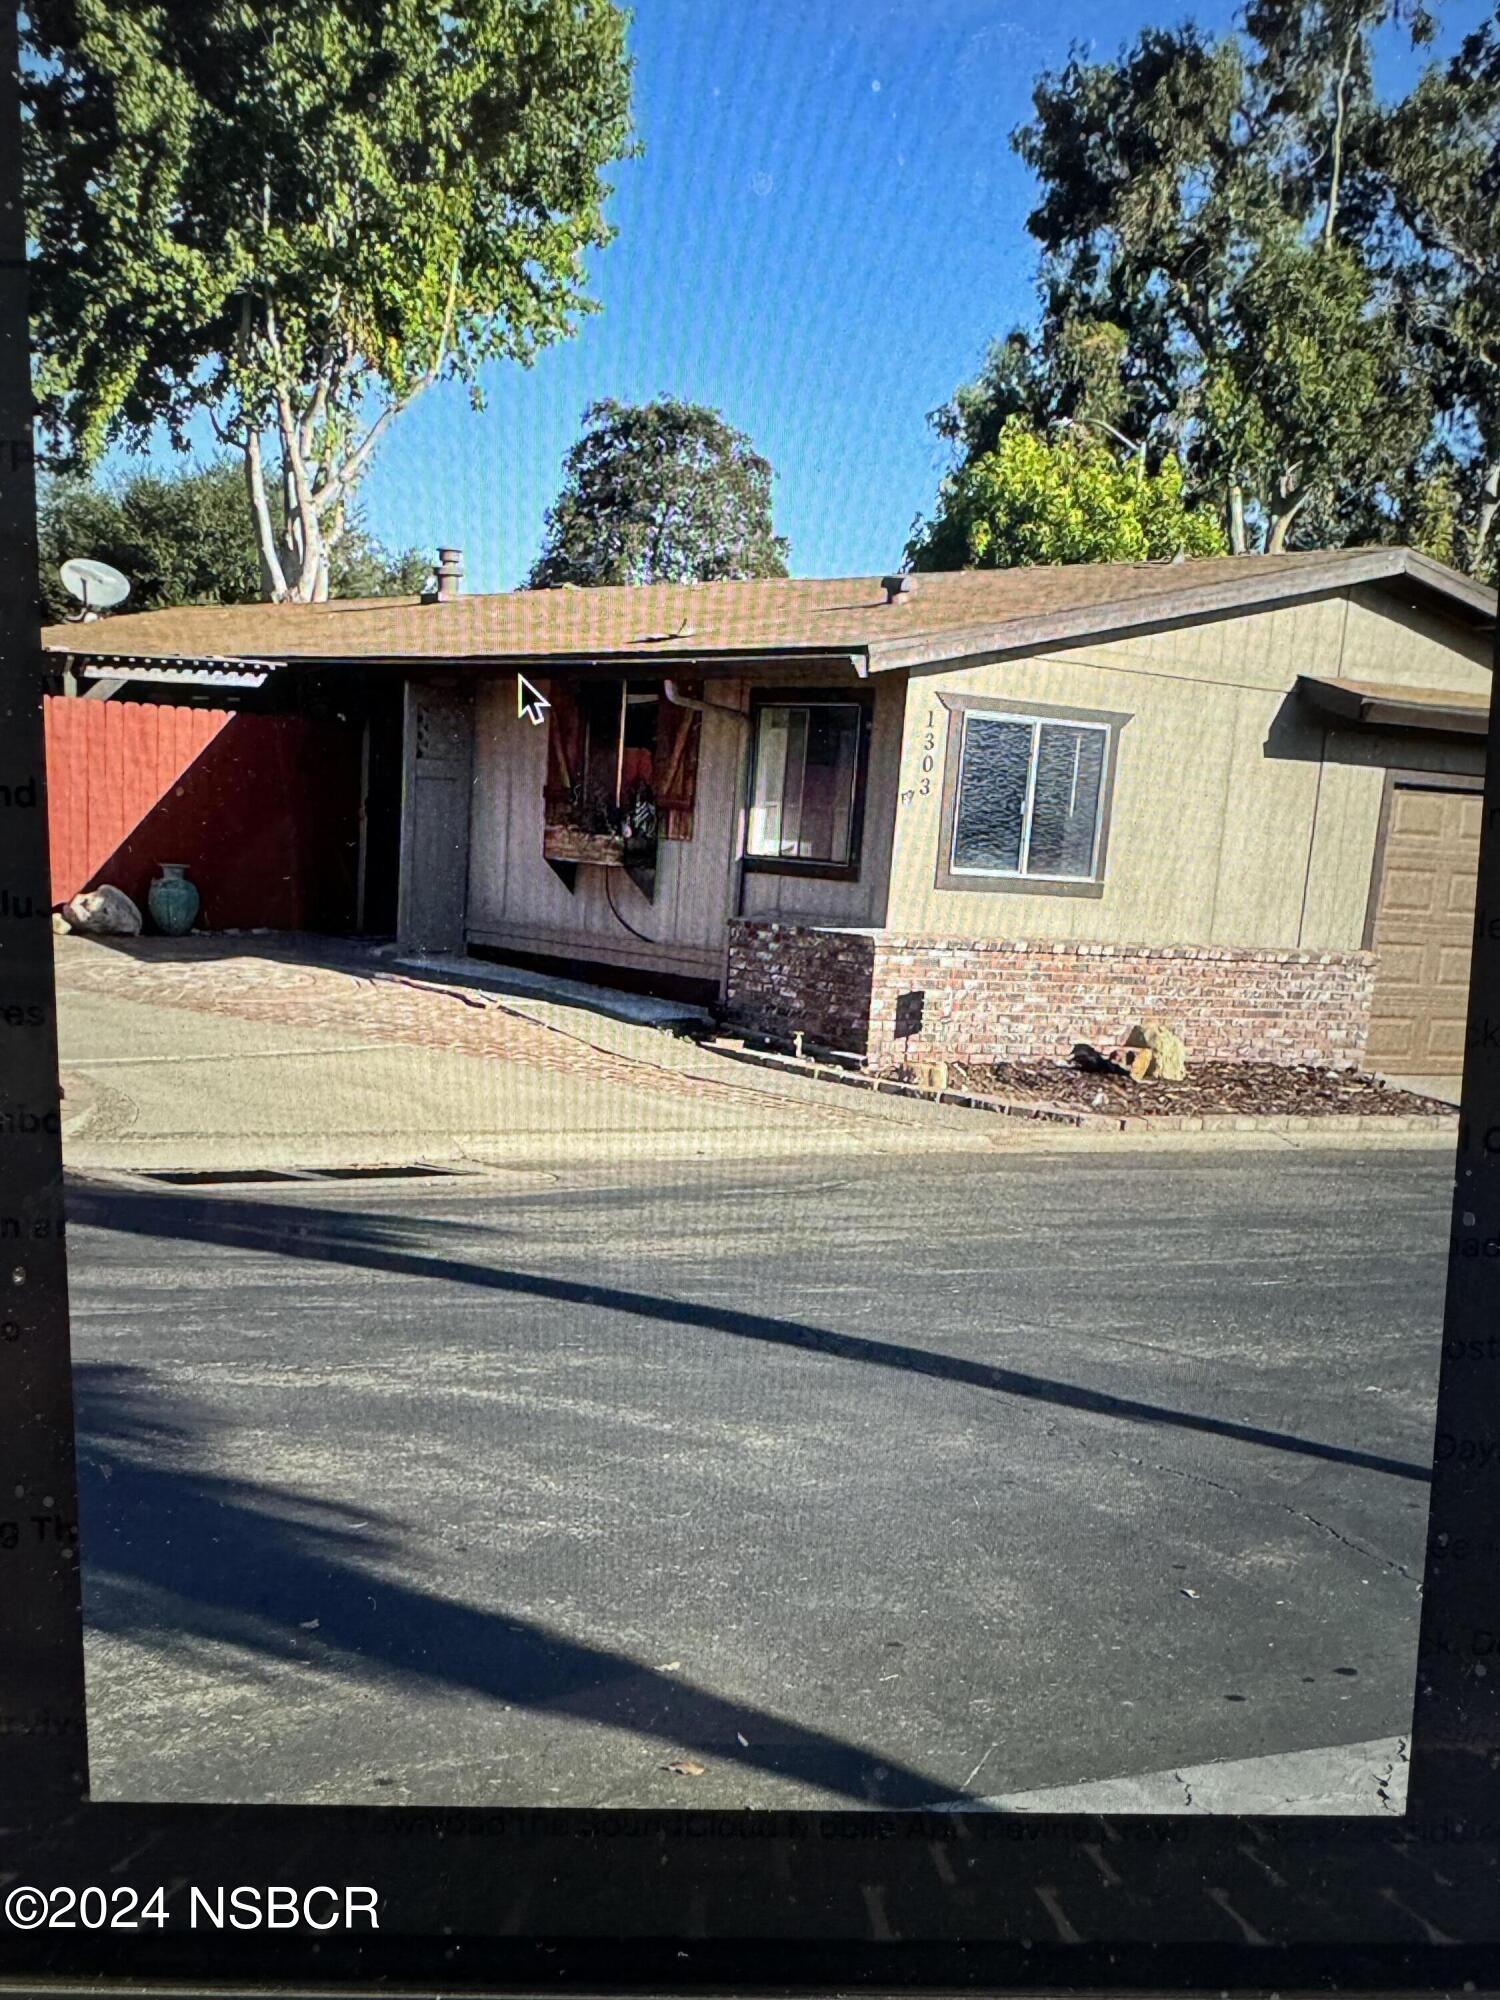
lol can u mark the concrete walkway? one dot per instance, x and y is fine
(645, 1010)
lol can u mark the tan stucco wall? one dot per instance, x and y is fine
(1385, 640)
(515, 902)
(1235, 818)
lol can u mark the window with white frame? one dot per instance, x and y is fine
(1030, 797)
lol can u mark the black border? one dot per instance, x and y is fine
(535, 1901)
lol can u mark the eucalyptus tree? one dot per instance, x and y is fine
(1441, 151)
(1213, 215)
(293, 216)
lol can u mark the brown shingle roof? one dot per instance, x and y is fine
(942, 617)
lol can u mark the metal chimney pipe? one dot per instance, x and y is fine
(450, 574)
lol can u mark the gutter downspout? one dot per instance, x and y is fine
(672, 693)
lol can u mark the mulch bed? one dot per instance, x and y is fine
(1211, 1089)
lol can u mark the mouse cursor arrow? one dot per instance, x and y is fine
(529, 701)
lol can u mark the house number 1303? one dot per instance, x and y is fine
(923, 786)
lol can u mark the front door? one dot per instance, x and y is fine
(435, 805)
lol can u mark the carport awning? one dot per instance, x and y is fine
(1460, 710)
(177, 673)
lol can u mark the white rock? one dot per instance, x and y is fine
(106, 912)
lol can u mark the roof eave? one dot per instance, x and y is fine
(1388, 709)
(726, 657)
(1471, 600)
(1451, 586)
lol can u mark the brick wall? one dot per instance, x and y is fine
(787, 978)
(1019, 1000)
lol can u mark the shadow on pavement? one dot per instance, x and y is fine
(375, 1243)
(175, 1552)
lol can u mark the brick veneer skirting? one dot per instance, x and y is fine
(1022, 1000)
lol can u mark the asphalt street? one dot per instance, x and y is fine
(869, 1482)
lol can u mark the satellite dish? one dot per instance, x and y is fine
(96, 584)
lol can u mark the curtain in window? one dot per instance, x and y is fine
(1028, 798)
(993, 777)
(1065, 803)
(675, 766)
(564, 753)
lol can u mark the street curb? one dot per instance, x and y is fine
(73, 1123)
(1436, 1123)
(1355, 1779)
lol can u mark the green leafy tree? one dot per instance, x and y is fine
(1071, 370)
(1441, 149)
(662, 492)
(297, 215)
(1210, 216)
(186, 538)
(1067, 498)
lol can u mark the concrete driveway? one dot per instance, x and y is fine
(218, 1054)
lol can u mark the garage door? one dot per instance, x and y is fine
(1424, 923)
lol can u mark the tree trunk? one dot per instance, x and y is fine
(1237, 518)
(307, 572)
(1336, 171)
(272, 575)
(1281, 523)
(1489, 507)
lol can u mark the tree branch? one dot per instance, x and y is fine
(1336, 171)
(342, 478)
(354, 462)
(1282, 519)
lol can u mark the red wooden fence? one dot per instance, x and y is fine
(264, 809)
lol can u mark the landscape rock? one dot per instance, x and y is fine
(1168, 1050)
(104, 912)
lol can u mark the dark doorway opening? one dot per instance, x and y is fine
(380, 814)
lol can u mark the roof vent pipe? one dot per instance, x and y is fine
(449, 579)
(897, 587)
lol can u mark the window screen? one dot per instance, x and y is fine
(1029, 797)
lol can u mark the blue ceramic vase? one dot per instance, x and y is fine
(172, 899)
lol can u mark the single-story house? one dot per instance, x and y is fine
(989, 813)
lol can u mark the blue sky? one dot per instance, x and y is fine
(824, 230)
(825, 227)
